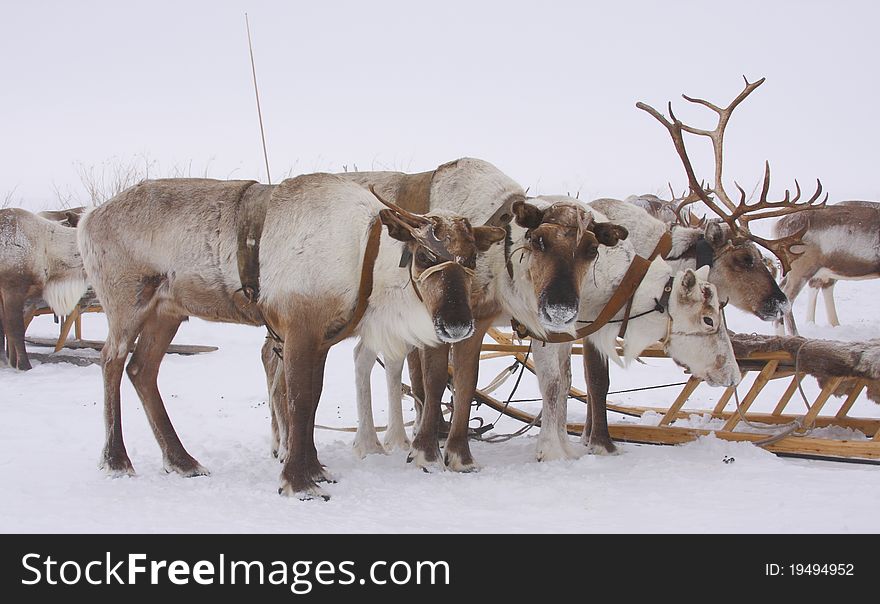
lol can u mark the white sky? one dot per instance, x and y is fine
(545, 90)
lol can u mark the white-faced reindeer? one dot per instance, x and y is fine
(38, 258)
(541, 287)
(599, 347)
(295, 257)
(840, 241)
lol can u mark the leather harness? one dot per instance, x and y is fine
(623, 295)
(249, 225)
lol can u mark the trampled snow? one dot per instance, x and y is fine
(51, 435)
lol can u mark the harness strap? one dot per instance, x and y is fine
(249, 230)
(664, 245)
(366, 284)
(633, 277)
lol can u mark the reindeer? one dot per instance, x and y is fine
(287, 257)
(700, 333)
(841, 241)
(679, 307)
(542, 288)
(38, 258)
(742, 275)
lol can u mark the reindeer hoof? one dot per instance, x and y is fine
(116, 467)
(117, 472)
(305, 493)
(601, 448)
(458, 463)
(554, 452)
(365, 447)
(429, 463)
(397, 443)
(188, 468)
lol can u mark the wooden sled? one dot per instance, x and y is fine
(769, 366)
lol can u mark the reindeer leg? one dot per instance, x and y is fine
(277, 392)
(417, 383)
(126, 311)
(466, 360)
(553, 369)
(425, 451)
(597, 440)
(143, 371)
(319, 471)
(395, 434)
(830, 310)
(366, 441)
(301, 354)
(13, 304)
(4, 361)
(811, 304)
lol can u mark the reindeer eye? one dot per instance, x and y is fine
(748, 261)
(539, 244)
(708, 321)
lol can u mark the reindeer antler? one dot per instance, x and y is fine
(680, 202)
(737, 215)
(424, 234)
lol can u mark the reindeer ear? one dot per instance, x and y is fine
(702, 273)
(396, 227)
(527, 215)
(589, 245)
(688, 280)
(485, 236)
(609, 234)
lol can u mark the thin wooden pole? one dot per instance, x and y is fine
(257, 94)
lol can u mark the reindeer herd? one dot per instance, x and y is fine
(418, 267)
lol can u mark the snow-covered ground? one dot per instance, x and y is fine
(51, 434)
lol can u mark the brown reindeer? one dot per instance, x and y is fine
(38, 258)
(296, 257)
(840, 241)
(742, 275)
(537, 276)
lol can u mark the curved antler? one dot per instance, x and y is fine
(423, 234)
(736, 215)
(414, 217)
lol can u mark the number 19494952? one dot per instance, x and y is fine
(796, 570)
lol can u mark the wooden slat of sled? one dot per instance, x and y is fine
(669, 435)
(97, 345)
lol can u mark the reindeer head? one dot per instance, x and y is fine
(562, 241)
(740, 272)
(441, 254)
(698, 339)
